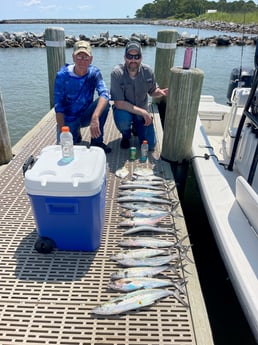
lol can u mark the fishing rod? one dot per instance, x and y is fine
(241, 56)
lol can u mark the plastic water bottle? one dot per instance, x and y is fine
(66, 141)
(144, 151)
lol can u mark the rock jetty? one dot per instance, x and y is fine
(31, 40)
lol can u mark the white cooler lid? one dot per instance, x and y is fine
(83, 176)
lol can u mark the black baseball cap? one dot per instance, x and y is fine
(133, 45)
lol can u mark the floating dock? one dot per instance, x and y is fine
(48, 298)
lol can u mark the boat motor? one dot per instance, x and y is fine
(239, 78)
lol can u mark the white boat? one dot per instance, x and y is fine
(224, 158)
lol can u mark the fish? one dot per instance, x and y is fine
(137, 221)
(131, 301)
(143, 192)
(139, 198)
(152, 261)
(138, 272)
(144, 212)
(139, 171)
(138, 253)
(141, 228)
(138, 186)
(148, 178)
(141, 205)
(132, 284)
(149, 242)
(144, 183)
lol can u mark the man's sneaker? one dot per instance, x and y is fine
(125, 143)
(103, 146)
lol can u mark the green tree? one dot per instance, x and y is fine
(192, 8)
(147, 11)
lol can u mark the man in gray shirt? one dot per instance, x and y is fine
(131, 83)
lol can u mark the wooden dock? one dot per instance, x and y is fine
(48, 298)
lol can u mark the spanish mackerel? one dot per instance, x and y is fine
(139, 272)
(131, 301)
(139, 185)
(138, 221)
(144, 212)
(151, 228)
(138, 198)
(140, 205)
(132, 284)
(153, 261)
(149, 242)
(139, 253)
(144, 192)
(148, 178)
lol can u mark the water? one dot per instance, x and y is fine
(24, 87)
(24, 75)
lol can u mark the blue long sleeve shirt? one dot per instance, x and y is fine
(73, 94)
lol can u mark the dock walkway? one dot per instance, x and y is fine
(48, 298)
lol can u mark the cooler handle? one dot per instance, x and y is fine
(57, 208)
(28, 164)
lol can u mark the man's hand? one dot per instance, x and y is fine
(147, 119)
(94, 127)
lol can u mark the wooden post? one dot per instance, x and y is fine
(181, 112)
(55, 42)
(164, 60)
(5, 143)
(165, 55)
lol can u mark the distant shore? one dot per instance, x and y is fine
(251, 29)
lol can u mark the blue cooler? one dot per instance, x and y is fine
(68, 199)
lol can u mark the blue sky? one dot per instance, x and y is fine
(30, 9)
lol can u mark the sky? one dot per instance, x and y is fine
(71, 9)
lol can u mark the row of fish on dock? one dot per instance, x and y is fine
(146, 202)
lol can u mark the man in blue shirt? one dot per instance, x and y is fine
(131, 83)
(74, 89)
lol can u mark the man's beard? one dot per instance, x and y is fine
(133, 67)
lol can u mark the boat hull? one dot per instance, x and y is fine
(236, 239)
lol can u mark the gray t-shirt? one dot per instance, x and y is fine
(133, 90)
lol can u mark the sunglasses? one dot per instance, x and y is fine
(132, 56)
(84, 58)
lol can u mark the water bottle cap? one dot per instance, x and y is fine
(65, 129)
(145, 142)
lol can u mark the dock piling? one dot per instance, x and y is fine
(55, 43)
(164, 60)
(180, 118)
(181, 112)
(5, 142)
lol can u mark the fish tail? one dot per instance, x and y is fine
(186, 257)
(174, 269)
(179, 244)
(177, 296)
(175, 204)
(180, 285)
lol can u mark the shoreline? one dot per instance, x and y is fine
(218, 26)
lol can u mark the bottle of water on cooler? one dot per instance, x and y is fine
(66, 141)
(144, 151)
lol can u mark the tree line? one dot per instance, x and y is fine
(184, 9)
